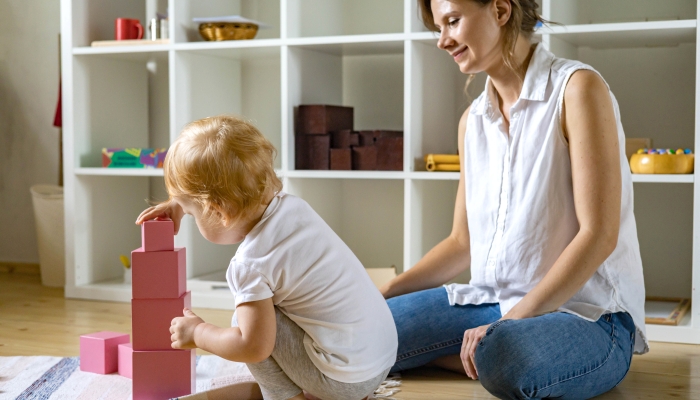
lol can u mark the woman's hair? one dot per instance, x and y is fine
(523, 19)
(224, 164)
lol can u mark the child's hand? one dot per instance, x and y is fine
(170, 209)
(182, 330)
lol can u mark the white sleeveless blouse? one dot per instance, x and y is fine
(520, 203)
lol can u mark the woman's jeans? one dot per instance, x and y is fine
(554, 355)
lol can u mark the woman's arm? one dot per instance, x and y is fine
(589, 122)
(449, 257)
(251, 342)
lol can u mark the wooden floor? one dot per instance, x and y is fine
(36, 320)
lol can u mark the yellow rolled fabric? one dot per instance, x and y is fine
(445, 167)
(441, 162)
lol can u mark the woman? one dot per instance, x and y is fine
(543, 216)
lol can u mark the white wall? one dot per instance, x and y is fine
(28, 141)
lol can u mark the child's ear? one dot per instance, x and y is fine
(223, 216)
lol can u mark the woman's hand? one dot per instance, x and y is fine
(472, 337)
(182, 330)
(168, 210)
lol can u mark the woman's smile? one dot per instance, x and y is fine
(456, 54)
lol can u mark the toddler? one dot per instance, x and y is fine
(307, 316)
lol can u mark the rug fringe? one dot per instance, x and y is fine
(388, 388)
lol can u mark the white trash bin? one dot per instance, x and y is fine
(50, 234)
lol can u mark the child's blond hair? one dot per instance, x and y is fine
(224, 164)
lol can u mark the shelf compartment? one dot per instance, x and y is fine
(104, 228)
(437, 100)
(265, 11)
(307, 18)
(664, 217)
(667, 73)
(94, 19)
(605, 11)
(622, 35)
(366, 214)
(120, 102)
(366, 76)
(240, 81)
(432, 204)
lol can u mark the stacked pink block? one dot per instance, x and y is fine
(159, 294)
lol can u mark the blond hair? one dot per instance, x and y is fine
(224, 164)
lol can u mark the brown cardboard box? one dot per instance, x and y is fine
(341, 159)
(324, 119)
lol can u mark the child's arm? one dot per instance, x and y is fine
(251, 342)
(170, 209)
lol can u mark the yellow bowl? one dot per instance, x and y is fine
(662, 163)
(218, 31)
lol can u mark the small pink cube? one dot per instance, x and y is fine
(158, 235)
(98, 351)
(126, 365)
(158, 274)
(163, 374)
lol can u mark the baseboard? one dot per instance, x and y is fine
(19, 268)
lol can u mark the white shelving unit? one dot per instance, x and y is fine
(378, 58)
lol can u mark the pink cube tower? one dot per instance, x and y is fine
(159, 293)
(98, 351)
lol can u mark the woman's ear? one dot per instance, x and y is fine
(503, 9)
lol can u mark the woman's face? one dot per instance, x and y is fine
(471, 32)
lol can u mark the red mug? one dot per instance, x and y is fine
(127, 28)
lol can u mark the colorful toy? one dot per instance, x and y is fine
(163, 374)
(98, 351)
(133, 158)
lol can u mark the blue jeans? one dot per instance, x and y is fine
(554, 355)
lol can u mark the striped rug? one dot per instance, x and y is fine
(56, 378)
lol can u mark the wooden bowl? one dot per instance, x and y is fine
(218, 31)
(662, 163)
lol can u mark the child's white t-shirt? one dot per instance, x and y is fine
(312, 276)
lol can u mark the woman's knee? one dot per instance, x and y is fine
(503, 363)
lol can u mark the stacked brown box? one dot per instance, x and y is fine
(325, 140)
(313, 139)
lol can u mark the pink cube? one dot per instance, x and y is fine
(98, 351)
(158, 274)
(158, 235)
(151, 318)
(126, 352)
(163, 374)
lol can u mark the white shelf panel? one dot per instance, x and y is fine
(120, 171)
(345, 174)
(353, 45)
(664, 178)
(434, 176)
(228, 44)
(629, 34)
(129, 53)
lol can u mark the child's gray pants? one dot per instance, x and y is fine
(289, 370)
